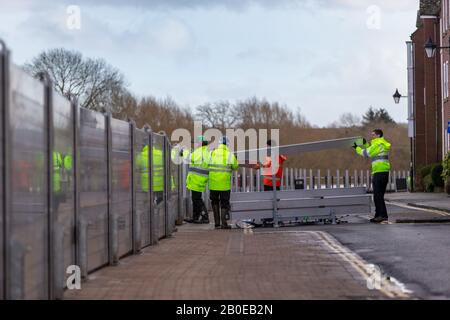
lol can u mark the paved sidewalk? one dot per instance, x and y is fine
(202, 264)
(437, 201)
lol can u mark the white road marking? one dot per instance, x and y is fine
(402, 205)
(389, 286)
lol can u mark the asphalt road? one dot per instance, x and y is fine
(418, 255)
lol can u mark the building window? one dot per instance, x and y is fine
(445, 78)
(446, 14)
(446, 90)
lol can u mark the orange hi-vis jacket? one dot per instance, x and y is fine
(267, 173)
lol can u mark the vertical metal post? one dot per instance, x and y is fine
(275, 200)
(80, 223)
(319, 180)
(361, 179)
(48, 123)
(135, 218)
(338, 180)
(311, 180)
(346, 183)
(244, 180)
(286, 180)
(152, 207)
(329, 182)
(167, 182)
(368, 180)
(251, 180)
(6, 154)
(292, 180)
(112, 221)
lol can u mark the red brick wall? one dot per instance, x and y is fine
(446, 103)
(428, 96)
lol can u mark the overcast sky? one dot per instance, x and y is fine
(325, 57)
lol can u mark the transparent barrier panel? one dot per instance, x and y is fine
(158, 185)
(28, 242)
(173, 183)
(121, 184)
(93, 186)
(63, 188)
(142, 171)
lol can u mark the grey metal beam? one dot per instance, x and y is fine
(293, 214)
(249, 196)
(301, 147)
(298, 203)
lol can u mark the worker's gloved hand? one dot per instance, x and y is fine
(354, 146)
(364, 141)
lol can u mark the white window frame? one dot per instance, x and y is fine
(446, 91)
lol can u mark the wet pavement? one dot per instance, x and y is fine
(300, 262)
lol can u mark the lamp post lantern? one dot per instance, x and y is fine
(397, 96)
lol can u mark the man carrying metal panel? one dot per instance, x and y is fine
(267, 165)
(378, 152)
(223, 162)
(198, 178)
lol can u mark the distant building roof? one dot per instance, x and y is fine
(428, 8)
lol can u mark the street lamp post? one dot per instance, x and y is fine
(397, 96)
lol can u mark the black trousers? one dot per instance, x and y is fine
(270, 188)
(379, 182)
(220, 197)
(197, 203)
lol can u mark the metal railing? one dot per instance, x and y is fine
(77, 187)
(249, 180)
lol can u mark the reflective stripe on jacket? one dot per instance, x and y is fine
(221, 166)
(378, 152)
(198, 170)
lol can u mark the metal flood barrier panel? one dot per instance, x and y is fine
(299, 205)
(77, 188)
(63, 196)
(93, 217)
(142, 187)
(158, 186)
(121, 198)
(28, 218)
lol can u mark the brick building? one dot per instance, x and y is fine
(445, 58)
(429, 93)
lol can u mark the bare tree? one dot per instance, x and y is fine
(163, 115)
(220, 115)
(256, 113)
(347, 120)
(93, 82)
